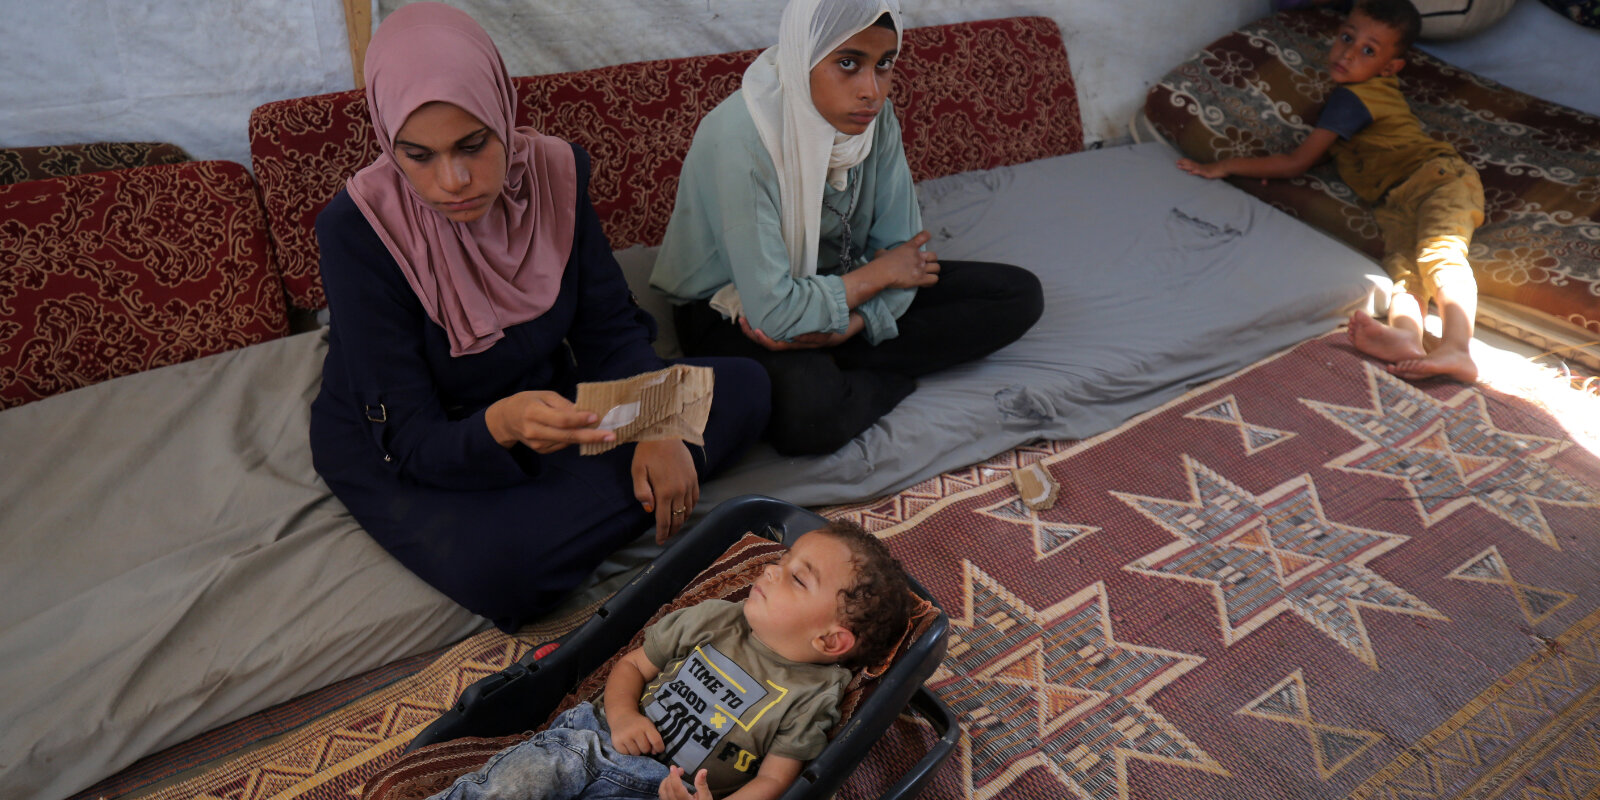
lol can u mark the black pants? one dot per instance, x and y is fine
(822, 398)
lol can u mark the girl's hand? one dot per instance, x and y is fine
(906, 266)
(672, 787)
(805, 341)
(542, 420)
(664, 481)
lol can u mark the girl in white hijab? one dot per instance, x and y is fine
(804, 145)
(796, 238)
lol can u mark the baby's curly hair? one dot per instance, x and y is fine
(877, 607)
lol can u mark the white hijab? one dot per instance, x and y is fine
(805, 148)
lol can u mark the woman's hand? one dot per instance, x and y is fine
(542, 420)
(805, 341)
(906, 266)
(665, 482)
(672, 787)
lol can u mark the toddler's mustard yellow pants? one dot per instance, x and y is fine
(1427, 222)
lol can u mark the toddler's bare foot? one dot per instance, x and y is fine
(1445, 362)
(1382, 341)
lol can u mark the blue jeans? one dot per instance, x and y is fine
(571, 759)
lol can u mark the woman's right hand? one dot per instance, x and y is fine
(544, 421)
(907, 266)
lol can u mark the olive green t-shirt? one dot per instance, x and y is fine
(724, 700)
(1391, 145)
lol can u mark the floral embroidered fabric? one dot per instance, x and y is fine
(1259, 89)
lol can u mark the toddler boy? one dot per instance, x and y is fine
(738, 695)
(1426, 199)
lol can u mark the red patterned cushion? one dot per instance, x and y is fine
(302, 151)
(111, 273)
(1258, 89)
(970, 96)
(979, 95)
(18, 164)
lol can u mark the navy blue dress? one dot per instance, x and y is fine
(398, 429)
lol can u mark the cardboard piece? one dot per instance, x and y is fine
(671, 403)
(1037, 489)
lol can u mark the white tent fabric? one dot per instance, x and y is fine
(1118, 47)
(190, 71)
(1534, 50)
(181, 71)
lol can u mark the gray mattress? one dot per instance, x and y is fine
(170, 561)
(1154, 281)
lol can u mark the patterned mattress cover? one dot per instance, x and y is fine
(1259, 89)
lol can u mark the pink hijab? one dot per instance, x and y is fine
(474, 278)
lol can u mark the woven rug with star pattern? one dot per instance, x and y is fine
(1309, 580)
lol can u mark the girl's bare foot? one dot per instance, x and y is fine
(1446, 362)
(1384, 342)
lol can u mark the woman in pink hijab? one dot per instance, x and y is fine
(470, 289)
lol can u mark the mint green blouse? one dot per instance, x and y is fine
(725, 228)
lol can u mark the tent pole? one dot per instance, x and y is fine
(358, 26)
